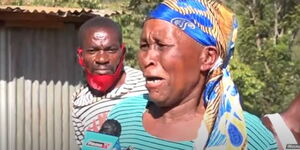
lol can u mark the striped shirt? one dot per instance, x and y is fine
(89, 111)
(130, 112)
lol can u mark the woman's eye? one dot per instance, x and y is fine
(143, 46)
(161, 45)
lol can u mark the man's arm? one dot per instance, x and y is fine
(266, 121)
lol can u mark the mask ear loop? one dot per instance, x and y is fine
(123, 48)
(79, 56)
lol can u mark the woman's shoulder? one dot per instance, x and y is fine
(258, 136)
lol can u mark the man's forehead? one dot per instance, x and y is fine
(100, 35)
(101, 32)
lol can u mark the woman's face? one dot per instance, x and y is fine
(170, 62)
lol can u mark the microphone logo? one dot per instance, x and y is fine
(99, 144)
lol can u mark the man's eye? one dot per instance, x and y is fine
(112, 49)
(91, 51)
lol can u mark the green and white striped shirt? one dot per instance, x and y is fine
(130, 111)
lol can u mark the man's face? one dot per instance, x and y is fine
(101, 50)
(170, 62)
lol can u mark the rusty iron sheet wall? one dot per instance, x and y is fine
(38, 75)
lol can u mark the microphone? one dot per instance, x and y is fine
(106, 139)
(111, 127)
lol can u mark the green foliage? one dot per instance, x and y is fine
(249, 85)
(17, 3)
(132, 21)
(89, 4)
(131, 33)
(267, 76)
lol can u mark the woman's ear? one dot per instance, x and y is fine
(208, 57)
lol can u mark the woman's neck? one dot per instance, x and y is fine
(179, 123)
(183, 111)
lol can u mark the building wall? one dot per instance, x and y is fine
(38, 75)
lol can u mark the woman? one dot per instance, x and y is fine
(192, 103)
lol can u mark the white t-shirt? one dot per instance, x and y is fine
(284, 134)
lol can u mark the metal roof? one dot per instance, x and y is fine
(57, 11)
(53, 17)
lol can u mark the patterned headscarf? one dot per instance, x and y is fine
(212, 24)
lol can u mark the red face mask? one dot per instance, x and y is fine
(102, 83)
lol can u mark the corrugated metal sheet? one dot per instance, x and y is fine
(38, 75)
(36, 1)
(58, 11)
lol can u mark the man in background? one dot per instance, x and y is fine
(101, 54)
(286, 125)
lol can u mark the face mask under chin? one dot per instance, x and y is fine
(104, 83)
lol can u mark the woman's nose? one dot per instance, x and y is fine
(148, 58)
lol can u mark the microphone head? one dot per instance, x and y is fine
(111, 127)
